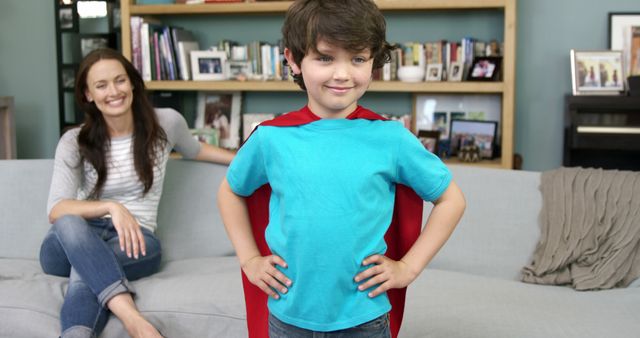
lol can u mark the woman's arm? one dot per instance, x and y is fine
(129, 233)
(214, 154)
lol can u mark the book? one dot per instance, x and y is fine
(184, 50)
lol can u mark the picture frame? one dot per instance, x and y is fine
(90, 42)
(455, 72)
(597, 72)
(621, 37)
(485, 68)
(435, 111)
(251, 120)
(434, 72)
(220, 111)
(206, 135)
(209, 65)
(68, 18)
(429, 139)
(68, 77)
(481, 133)
(240, 70)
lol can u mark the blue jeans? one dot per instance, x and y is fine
(377, 328)
(88, 252)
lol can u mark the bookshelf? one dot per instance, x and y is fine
(505, 88)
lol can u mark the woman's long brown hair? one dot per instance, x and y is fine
(94, 141)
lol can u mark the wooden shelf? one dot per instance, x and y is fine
(281, 7)
(505, 89)
(287, 86)
(495, 163)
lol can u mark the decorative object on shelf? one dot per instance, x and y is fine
(434, 112)
(597, 72)
(68, 18)
(455, 72)
(251, 120)
(209, 65)
(239, 70)
(429, 139)
(469, 153)
(220, 111)
(7, 129)
(624, 35)
(410, 73)
(207, 135)
(485, 68)
(434, 72)
(471, 132)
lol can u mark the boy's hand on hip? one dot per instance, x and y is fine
(262, 272)
(385, 273)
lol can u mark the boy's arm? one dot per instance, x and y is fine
(260, 271)
(390, 274)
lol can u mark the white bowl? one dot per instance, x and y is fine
(410, 73)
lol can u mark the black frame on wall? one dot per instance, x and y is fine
(71, 31)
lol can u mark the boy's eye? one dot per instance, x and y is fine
(359, 59)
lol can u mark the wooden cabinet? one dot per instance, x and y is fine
(602, 132)
(504, 88)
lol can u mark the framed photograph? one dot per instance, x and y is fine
(624, 35)
(68, 77)
(455, 71)
(434, 72)
(435, 111)
(89, 43)
(471, 132)
(220, 111)
(251, 121)
(429, 139)
(485, 68)
(68, 18)
(207, 135)
(209, 65)
(597, 72)
(239, 70)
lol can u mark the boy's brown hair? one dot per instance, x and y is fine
(354, 25)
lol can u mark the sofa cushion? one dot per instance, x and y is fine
(23, 217)
(499, 229)
(199, 297)
(452, 304)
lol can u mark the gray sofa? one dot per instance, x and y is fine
(471, 289)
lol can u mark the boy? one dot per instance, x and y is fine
(334, 168)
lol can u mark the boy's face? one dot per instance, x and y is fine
(335, 78)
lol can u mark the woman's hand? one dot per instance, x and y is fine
(386, 273)
(129, 233)
(261, 272)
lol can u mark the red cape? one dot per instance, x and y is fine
(405, 228)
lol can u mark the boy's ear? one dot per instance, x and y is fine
(295, 68)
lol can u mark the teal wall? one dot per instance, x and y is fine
(28, 73)
(547, 30)
(545, 36)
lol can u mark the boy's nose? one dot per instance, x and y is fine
(341, 72)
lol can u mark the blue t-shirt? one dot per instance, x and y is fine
(333, 189)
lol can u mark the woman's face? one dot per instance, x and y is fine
(109, 87)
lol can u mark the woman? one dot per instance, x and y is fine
(107, 182)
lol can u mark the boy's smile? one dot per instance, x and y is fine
(335, 78)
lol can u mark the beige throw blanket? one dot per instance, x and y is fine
(590, 229)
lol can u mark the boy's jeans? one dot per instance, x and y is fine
(88, 251)
(377, 328)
